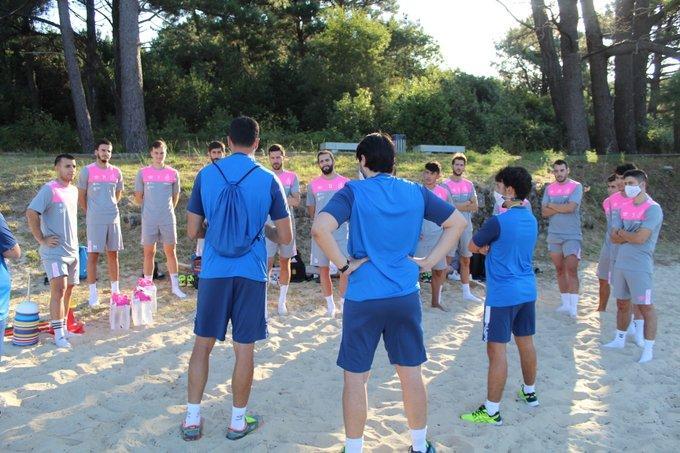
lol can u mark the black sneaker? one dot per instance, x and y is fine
(430, 448)
(529, 398)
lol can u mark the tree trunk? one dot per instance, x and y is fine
(29, 66)
(115, 19)
(642, 27)
(550, 64)
(603, 107)
(624, 108)
(676, 128)
(655, 85)
(91, 65)
(576, 119)
(133, 129)
(76, 84)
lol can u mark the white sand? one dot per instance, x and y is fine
(127, 391)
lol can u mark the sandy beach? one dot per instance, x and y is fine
(127, 391)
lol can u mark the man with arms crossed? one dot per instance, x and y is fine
(291, 184)
(464, 199)
(53, 220)
(233, 289)
(562, 206)
(508, 240)
(636, 231)
(100, 188)
(157, 191)
(430, 232)
(319, 191)
(383, 293)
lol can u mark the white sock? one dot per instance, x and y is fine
(418, 441)
(174, 279)
(639, 330)
(631, 326)
(491, 407)
(649, 344)
(93, 290)
(330, 304)
(566, 299)
(341, 303)
(199, 246)
(238, 418)
(354, 445)
(466, 288)
(148, 277)
(114, 287)
(283, 292)
(619, 338)
(193, 417)
(573, 304)
(529, 388)
(647, 351)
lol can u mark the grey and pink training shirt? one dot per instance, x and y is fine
(57, 205)
(158, 186)
(101, 185)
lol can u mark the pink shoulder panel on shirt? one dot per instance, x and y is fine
(286, 177)
(320, 184)
(562, 190)
(96, 174)
(61, 194)
(441, 192)
(167, 174)
(636, 212)
(458, 187)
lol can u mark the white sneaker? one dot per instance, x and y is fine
(615, 344)
(62, 343)
(93, 302)
(471, 298)
(563, 308)
(647, 355)
(330, 311)
(283, 311)
(177, 292)
(455, 276)
(640, 341)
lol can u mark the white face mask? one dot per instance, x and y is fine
(632, 191)
(498, 197)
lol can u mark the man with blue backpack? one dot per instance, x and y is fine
(233, 280)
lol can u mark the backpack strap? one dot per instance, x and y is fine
(240, 180)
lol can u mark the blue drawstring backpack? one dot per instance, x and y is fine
(232, 239)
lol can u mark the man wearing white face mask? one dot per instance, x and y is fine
(636, 230)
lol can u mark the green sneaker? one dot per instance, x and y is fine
(252, 423)
(182, 280)
(482, 417)
(529, 398)
(429, 448)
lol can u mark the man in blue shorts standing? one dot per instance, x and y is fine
(233, 285)
(508, 240)
(383, 293)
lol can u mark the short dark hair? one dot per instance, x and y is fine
(378, 149)
(640, 175)
(216, 145)
(459, 156)
(325, 151)
(499, 175)
(611, 178)
(60, 157)
(243, 131)
(519, 179)
(560, 162)
(434, 167)
(623, 168)
(158, 144)
(276, 147)
(102, 141)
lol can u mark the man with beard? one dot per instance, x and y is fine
(100, 188)
(464, 199)
(53, 221)
(562, 206)
(216, 151)
(319, 192)
(291, 185)
(636, 231)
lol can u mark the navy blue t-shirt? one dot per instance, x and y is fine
(510, 278)
(265, 196)
(7, 242)
(385, 214)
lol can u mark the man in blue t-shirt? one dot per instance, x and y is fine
(9, 248)
(233, 288)
(508, 242)
(385, 215)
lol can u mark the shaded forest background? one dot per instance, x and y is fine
(570, 77)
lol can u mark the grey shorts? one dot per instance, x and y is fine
(319, 259)
(59, 267)
(166, 234)
(104, 238)
(604, 264)
(424, 248)
(633, 285)
(564, 246)
(284, 251)
(462, 246)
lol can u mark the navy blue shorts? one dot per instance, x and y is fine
(239, 300)
(501, 322)
(398, 320)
